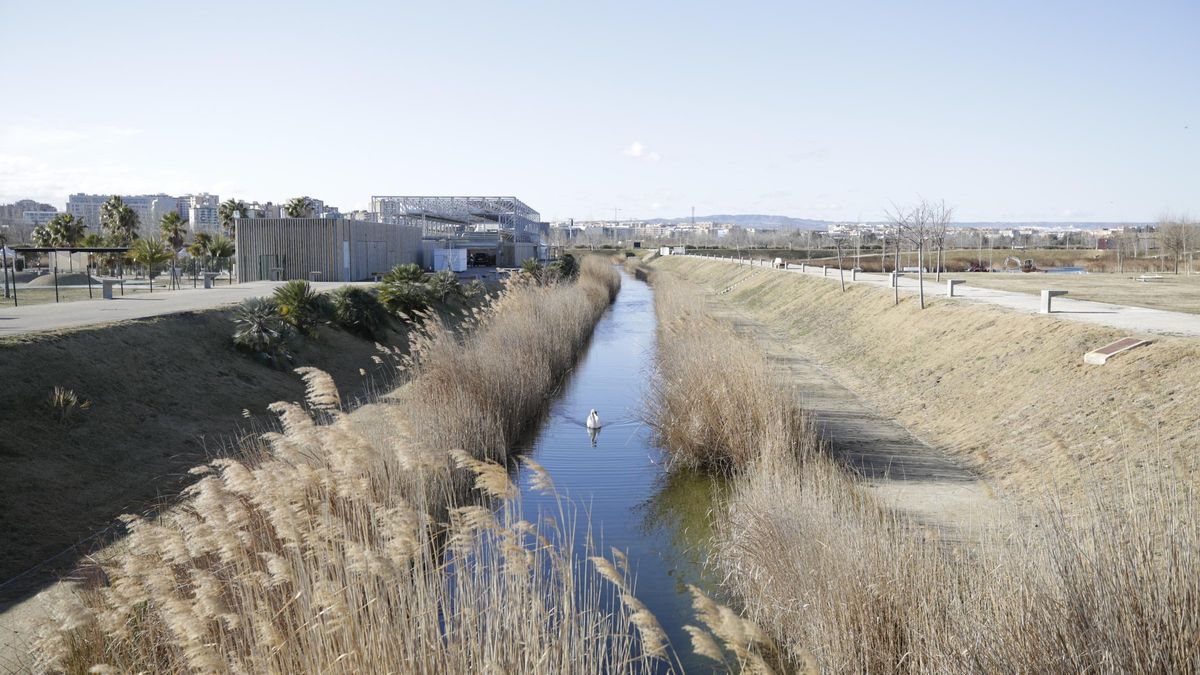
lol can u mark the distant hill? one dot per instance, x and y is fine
(758, 220)
(751, 220)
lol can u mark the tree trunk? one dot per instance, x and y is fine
(921, 273)
(896, 271)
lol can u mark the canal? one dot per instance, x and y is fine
(661, 522)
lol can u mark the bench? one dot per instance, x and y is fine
(950, 284)
(1150, 277)
(314, 275)
(209, 277)
(1047, 296)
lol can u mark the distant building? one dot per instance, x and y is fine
(16, 211)
(149, 208)
(36, 218)
(204, 213)
(496, 231)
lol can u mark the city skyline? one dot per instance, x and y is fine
(1015, 113)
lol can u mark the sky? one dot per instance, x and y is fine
(1016, 111)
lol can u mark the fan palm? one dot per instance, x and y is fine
(226, 211)
(150, 252)
(301, 305)
(119, 221)
(298, 207)
(221, 248)
(173, 228)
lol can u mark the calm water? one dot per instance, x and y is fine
(661, 523)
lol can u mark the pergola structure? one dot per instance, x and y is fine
(55, 250)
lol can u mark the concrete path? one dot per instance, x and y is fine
(902, 471)
(1122, 317)
(57, 316)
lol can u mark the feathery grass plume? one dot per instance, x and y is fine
(541, 480)
(319, 390)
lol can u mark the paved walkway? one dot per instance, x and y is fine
(57, 316)
(1122, 317)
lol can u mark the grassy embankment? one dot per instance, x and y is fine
(831, 579)
(1006, 393)
(165, 394)
(348, 546)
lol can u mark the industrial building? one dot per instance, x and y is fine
(463, 232)
(323, 249)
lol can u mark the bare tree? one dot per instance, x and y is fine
(1173, 235)
(918, 226)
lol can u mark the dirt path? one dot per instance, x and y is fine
(904, 472)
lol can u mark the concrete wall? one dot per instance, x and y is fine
(340, 250)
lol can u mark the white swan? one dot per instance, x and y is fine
(593, 420)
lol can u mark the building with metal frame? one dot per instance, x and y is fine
(495, 231)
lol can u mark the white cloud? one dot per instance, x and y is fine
(637, 150)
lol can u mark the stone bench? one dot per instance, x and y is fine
(1150, 277)
(209, 278)
(950, 284)
(1047, 296)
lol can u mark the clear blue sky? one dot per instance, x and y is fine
(1007, 110)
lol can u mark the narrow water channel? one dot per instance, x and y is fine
(661, 522)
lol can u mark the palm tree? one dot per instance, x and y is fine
(150, 252)
(67, 230)
(119, 221)
(199, 249)
(298, 207)
(226, 211)
(173, 228)
(221, 248)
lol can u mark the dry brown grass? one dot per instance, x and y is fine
(838, 582)
(1006, 393)
(715, 404)
(329, 553)
(482, 391)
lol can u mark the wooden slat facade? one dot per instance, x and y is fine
(339, 250)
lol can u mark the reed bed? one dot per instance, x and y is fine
(480, 392)
(344, 545)
(831, 580)
(714, 402)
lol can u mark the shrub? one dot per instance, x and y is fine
(65, 405)
(300, 305)
(566, 267)
(404, 290)
(357, 310)
(475, 289)
(444, 285)
(258, 328)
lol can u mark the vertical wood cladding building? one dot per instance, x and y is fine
(324, 249)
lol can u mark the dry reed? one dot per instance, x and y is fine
(328, 553)
(714, 402)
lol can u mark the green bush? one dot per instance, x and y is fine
(566, 267)
(444, 285)
(404, 290)
(258, 328)
(301, 305)
(357, 310)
